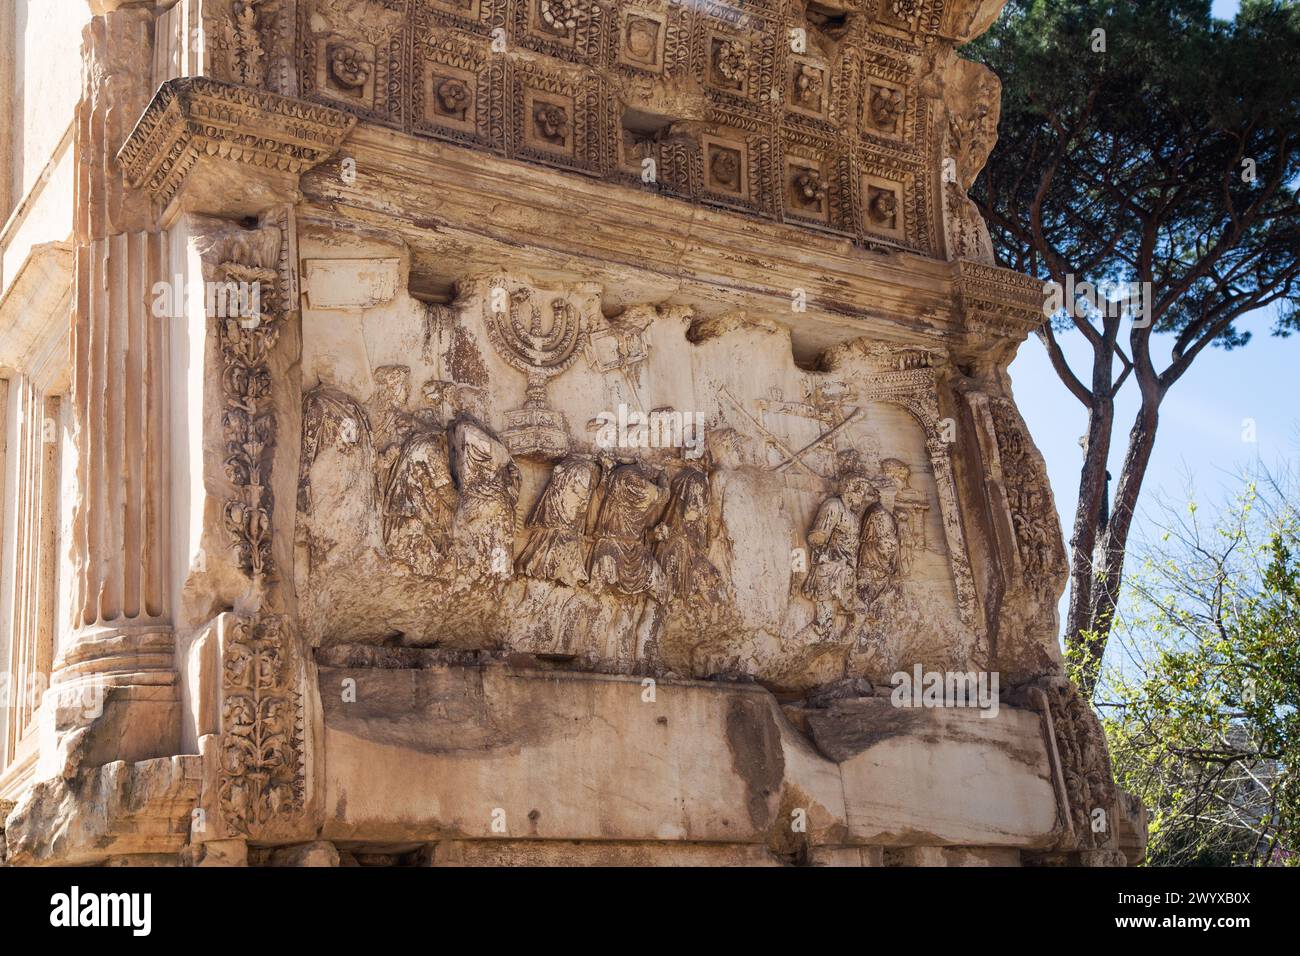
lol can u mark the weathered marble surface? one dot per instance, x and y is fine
(381, 558)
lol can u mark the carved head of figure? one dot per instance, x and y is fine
(568, 492)
(898, 472)
(856, 492)
(633, 497)
(690, 501)
(392, 386)
(482, 463)
(725, 448)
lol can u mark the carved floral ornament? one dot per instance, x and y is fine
(905, 9)
(731, 60)
(809, 188)
(882, 206)
(260, 779)
(552, 122)
(724, 167)
(349, 66)
(347, 47)
(244, 39)
(642, 36)
(886, 106)
(808, 84)
(559, 16)
(453, 95)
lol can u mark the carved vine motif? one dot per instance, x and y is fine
(244, 37)
(261, 775)
(1037, 530)
(1084, 764)
(246, 270)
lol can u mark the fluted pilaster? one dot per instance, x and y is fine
(120, 393)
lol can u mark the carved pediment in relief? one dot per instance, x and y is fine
(652, 492)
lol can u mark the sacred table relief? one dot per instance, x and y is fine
(541, 432)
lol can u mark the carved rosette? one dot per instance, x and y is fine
(262, 775)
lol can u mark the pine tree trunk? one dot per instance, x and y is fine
(1109, 575)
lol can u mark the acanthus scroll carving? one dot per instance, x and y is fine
(244, 37)
(244, 265)
(261, 777)
(1082, 763)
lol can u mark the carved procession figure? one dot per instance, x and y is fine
(555, 550)
(832, 578)
(489, 480)
(419, 502)
(879, 553)
(621, 557)
(683, 540)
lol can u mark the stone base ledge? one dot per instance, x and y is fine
(496, 756)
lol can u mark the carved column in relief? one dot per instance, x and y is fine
(916, 390)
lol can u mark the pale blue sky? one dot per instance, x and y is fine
(1201, 424)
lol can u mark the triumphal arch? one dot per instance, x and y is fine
(525, 431)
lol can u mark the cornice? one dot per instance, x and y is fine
(457, 208)
(195, 118)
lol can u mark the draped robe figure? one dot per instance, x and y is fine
(683, 539)
(832, 579)
(555, 547)
(484, 523)
(878, 553)
(621, 557)
(419, 502)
